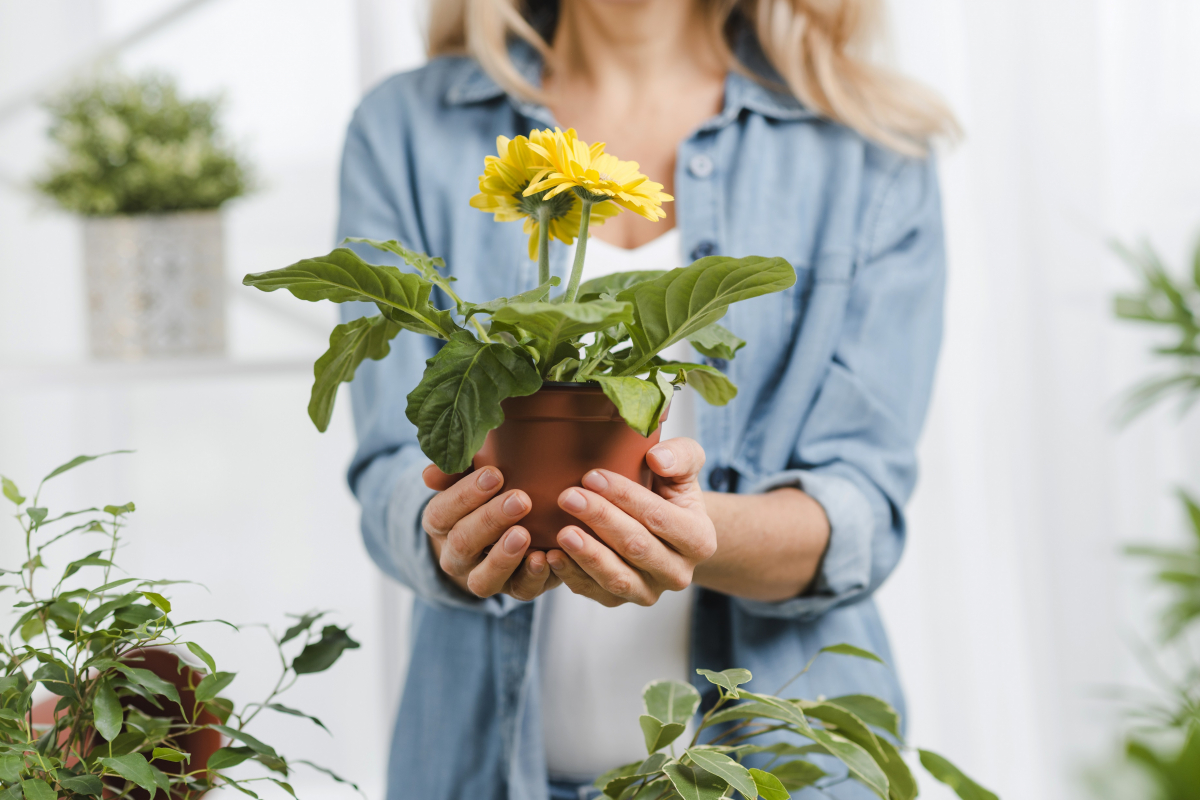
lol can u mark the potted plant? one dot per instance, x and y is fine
(147, 171)
(579, 377)
(859, 731)
(136, 705)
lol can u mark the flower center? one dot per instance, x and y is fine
(559, 205)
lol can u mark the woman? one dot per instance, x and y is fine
(769, 528)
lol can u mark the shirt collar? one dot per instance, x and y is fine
(767, 95)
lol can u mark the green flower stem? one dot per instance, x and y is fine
(543, 244)
(580, 249)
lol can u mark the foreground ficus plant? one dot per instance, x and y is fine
(85, 635)
(608, 331)
(860, 731)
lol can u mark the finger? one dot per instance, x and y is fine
(675, 522)
(491, 574)
(578, 581)
(481, 529)
(679, 460)
(533, 578)
(631, 537)
(604, 567)
(448, 507)
(436, 479)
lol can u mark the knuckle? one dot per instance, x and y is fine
(656, 517)
(638, 545)
(620, 585)
(478, 585)
(678, 580)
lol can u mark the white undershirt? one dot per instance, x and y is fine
(595, 661)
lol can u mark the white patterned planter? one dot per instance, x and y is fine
(155, 285)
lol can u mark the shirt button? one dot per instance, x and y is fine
(704, 249)
(701, 166)
(718, 479)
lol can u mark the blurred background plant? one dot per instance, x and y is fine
(1162, 741)
(135, 146)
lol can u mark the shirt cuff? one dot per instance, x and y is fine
(845, 570)
(401, 547)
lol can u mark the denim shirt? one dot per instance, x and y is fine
(833, 386)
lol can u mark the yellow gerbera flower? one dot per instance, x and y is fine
(503, 185)
(574, 164)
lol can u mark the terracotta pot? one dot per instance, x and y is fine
(550, 439)
(166, 665)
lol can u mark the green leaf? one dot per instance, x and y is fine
(287, 787)
(686, 300)
(901, 783)
(169, 754)
(10, 768)
(695, 784)
(93, 560)
(106, 710)
(342, 277)
(726, 769)
(56, 678)
(202, 654)
(156, 685)
(38, 789)
(282, 709)
(160, 602)
(245, 738)
(349, 344)
(769, 786)
(639, 401)
(614, 283)
(716, 341)
(710, 383)
(11, 491)
(670, 701)
(161, 781)
(212, 685)
(729, 679)
(615, 781)
(119, 511)
(77, 460)
(851, 650)
(458, 399)
(328, 772)
(556, 322)
(88, 785)
(870, 710)
(228, 757)
(239, 787)
(798, 774)
(320, 655)
(953, 777)
(31, 628)
(658, 734)
(536, 295)
(847, 725)
(856, 759)
(132, 767)
(300, 627)
(37, 514)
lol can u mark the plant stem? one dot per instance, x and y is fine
(543, 244)
(580, 249)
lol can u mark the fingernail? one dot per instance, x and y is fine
(537, 566)
(514, 541)
(595, 481)
(663, 455)
(487, 480)
(514, 505)
(571, 540)
(573, 501)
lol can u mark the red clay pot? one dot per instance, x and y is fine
(201, 744)
(550, 439)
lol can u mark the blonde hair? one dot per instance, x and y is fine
(819, 48)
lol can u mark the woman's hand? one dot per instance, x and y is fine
(466, 518)
(652, 540)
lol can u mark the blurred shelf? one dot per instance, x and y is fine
(19, 376)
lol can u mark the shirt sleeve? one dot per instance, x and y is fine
(856, 453)
(377, 202)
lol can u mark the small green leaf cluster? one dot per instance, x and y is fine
(85, 635)
(135, 146)
(1173, 305)
(860, 731)
(611, 335)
